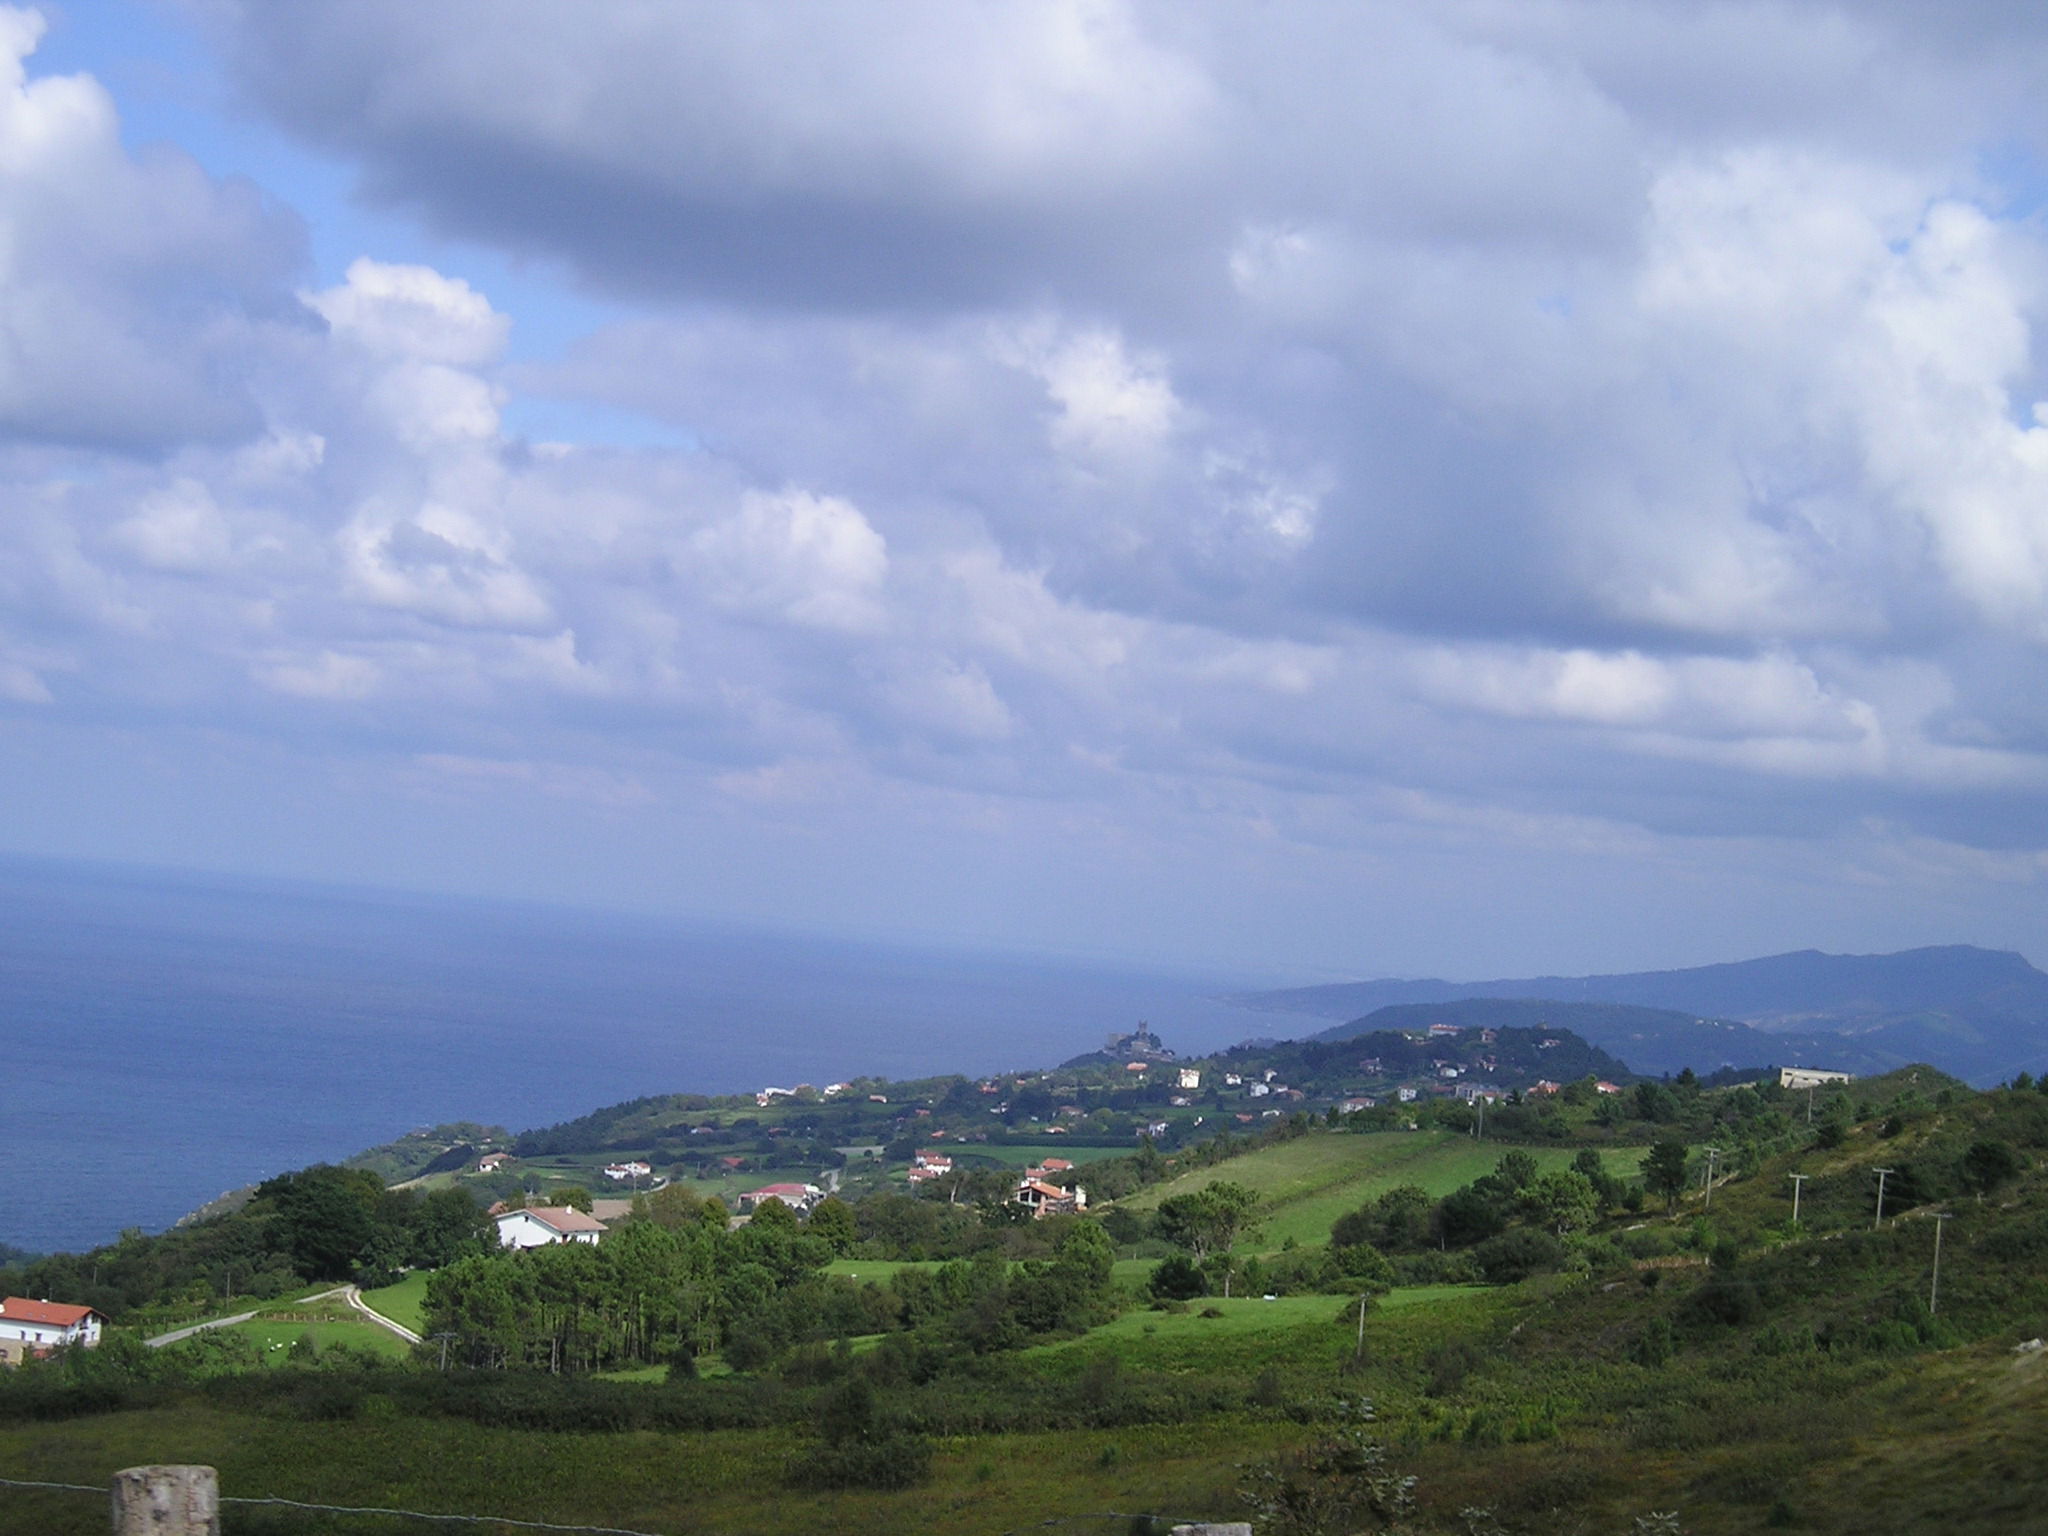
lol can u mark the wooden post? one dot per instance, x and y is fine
(166, 1501)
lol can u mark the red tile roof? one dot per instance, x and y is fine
(57, 1314)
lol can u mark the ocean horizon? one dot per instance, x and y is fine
(179, 1036)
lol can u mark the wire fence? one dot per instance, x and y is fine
(503, 1522)
(1133, 1520)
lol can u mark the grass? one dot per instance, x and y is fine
(1305, 1184)
(275, 1337)
(404, 1302)
(969, 1154)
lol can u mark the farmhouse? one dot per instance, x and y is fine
(623, 1171)
(1043, 1199)
(540, 1225)
(491, 1162)
(33, 1327)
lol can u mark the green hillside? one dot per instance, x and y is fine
(1306, 1184)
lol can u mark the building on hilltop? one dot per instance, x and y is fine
(1139, 1045)
(1809, 1077)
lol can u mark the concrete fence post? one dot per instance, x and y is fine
(167, 1501)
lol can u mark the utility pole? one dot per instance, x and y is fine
(444, 1338)
(1798, 1182)
(1880, 1198)
(1712, 1153)
(1934, 1285)
(1359, 1353)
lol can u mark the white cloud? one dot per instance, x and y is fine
(807, 559)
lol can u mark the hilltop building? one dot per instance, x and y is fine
(1809, 1077)
(1139, 1045)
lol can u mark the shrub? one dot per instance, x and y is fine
(1177, 1279)
(1518, 1254)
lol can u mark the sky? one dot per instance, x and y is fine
(1464, 488)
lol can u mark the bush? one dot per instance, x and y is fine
(891, 1461)
(1178, 1279)
(1517, 1254)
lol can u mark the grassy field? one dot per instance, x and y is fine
(330, 1321)
(1306, 1184)
(403, 1302)
(972, 1154)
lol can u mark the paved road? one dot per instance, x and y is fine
(355, 1299)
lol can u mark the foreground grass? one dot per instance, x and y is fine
(727, 1482)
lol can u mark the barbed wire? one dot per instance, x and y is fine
(544, 1525)
(348, 1509)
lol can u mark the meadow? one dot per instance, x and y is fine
(1305, 1184)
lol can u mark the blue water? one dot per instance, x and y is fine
(167, 1038)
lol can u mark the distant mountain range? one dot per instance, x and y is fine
(1978, 1013)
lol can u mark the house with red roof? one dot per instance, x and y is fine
(538, 1226)
(31, 1327)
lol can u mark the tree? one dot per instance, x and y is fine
(1664, 1170)
(771, 1215)
(831, 1221)
(1396, 1222)
(1564, 1201)
(1176, 1278)
(674, 1205)
(1988, 1164)
(327, 1215)
(1516, 1170)
(1207, 1220)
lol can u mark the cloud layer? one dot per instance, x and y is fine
(1391, 452)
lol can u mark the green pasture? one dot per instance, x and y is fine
(1305, 1184)
(1251, 1334)
(330, 1320)
(404, 1302)
(876, 1271)
(971, 1154)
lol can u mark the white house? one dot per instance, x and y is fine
(541, 1225)
(1809, 1077)
(1190, 1077)
(798, 1197)
(624, 1171)
(39, 1325)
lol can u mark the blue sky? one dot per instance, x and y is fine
(1329, 490)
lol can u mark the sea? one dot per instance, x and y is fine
(169, 1037)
